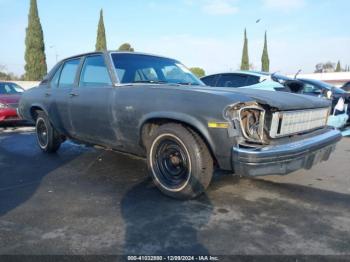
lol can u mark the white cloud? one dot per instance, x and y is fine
(284, 4)
(219, 7)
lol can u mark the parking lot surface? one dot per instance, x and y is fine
(88, 201)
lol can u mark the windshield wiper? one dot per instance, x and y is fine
(151, 81)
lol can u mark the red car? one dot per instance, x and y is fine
(10, 93)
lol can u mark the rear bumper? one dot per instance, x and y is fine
(285, 158)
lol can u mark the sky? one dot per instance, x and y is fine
(203, 33)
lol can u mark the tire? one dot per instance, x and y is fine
(48, 139)
(179, 161)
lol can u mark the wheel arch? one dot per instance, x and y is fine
(150, 122)
(33, 111)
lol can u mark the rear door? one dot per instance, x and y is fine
(59, 94)
(91, 106)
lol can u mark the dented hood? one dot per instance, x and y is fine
(281, 100)
(284, 100)
(277, 99)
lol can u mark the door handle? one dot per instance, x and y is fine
(73, 94)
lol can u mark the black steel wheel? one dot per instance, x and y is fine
(41, 132)
(179, 161)
(171, 161)
(48, 138)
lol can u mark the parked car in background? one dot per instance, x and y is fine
(274, 82)
(10, 94)
(243, 79)
(346, 87)
(154, 106)
(340, 99)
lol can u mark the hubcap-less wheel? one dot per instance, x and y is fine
(171, 164)
(42, 133)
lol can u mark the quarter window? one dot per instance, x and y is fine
(68, 73)
(94, 72)
(56, 77)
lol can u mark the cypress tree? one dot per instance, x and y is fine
(338, 68)
(101, 43)
(245, 57)
(265, 61)
(35, 67)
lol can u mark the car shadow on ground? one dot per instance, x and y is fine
(23, 166)
(237, 216)
(157, 224)
(110, 206)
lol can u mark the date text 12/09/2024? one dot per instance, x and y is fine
(173, 258)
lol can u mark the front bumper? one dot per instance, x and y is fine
(285, 158)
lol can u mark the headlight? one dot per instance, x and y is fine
(3, 106)
(251, 119)
(252, 123)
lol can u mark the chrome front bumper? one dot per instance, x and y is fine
(285, 158)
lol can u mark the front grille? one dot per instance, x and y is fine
(292, 122)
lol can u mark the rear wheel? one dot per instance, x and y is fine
(179, 161)
(48, 138)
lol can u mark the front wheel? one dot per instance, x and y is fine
(179, 161)
(48, 139)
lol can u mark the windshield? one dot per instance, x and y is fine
(10, 89)
(324, 85)
(135, 68)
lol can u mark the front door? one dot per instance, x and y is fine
(91, 105)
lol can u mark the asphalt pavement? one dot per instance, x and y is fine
(84, 200)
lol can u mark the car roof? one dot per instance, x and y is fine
(113, 52)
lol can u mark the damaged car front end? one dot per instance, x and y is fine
(272, 141)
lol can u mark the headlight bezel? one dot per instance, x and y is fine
(235, 114)
(260, 122)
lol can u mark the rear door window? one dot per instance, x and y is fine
(69, 72)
